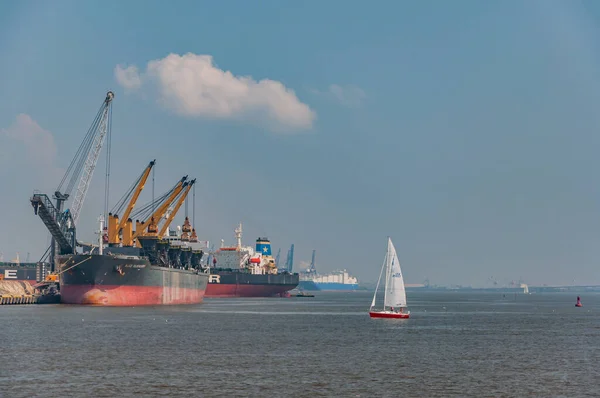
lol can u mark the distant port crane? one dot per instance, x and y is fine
(277, 257)
(312, 270)
(289, 263)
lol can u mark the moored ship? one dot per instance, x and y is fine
(339, 280)
(125, 267)
(243, 271)
(115, 279)
(141, 267)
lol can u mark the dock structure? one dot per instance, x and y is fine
(7, 299)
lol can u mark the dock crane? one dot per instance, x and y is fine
(61, 223)
(116, 227)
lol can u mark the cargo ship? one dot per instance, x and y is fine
(125, 267)
(339, 280)
(141, 268)
(152, 276)
(243, 271)
(333, 281)
(160, 272)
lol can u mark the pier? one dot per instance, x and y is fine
(7, 299)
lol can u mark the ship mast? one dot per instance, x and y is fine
(238, 236)
(166, 216)
(100, 235)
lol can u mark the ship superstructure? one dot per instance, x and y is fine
(258, 260)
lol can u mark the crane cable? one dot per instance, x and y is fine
(193, 206)
(118, 208)
(65, 270)
(78, 161)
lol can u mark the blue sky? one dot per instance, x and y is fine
(466, 130)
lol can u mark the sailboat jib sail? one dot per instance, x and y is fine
(378, 281)
(396, 293)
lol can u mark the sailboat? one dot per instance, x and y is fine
(394, 301)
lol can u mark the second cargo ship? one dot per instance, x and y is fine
(243, 271)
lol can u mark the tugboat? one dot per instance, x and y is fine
(301, 293)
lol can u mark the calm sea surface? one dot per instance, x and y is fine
(456, 344)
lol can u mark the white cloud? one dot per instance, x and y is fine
(192, 85)
(38, 143)
(128, 77)
(28, 151)
(350, 96)
(28, 162)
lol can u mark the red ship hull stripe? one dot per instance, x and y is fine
(220, 290)
(115, 295)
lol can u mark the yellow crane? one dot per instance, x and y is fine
(180, 201)
(114, 226)
(136, 195)
(159, 213)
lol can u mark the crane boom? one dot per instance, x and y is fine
(136, 195)
(92, 159)
(168, 221)
(157, 215)
(277, 257)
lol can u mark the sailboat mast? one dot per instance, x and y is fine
(387, 273)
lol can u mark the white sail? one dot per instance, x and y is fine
(395, 294)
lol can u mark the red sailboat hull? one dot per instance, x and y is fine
(389, 314)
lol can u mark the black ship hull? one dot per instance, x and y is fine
(121, 280)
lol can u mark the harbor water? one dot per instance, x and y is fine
(463, 344)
